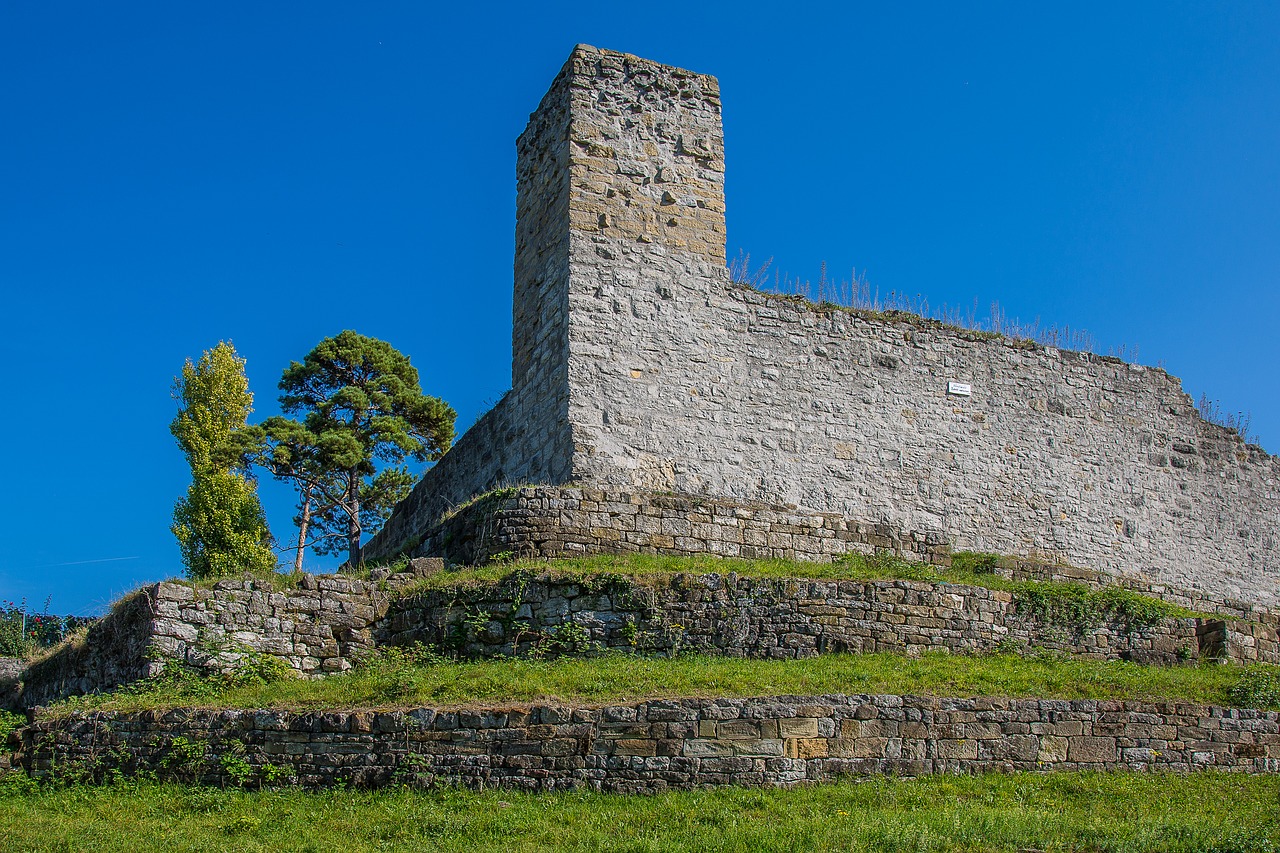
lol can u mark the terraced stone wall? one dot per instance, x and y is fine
(769, 618)
(658, 745)
(550, 522)
(322, 626)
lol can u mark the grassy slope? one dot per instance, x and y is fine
(399, 682)
(1070, 811)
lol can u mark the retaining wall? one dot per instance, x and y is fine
(658, 745)
(328, 623)
(772, 618)
(638, 364)
(320, 627)
(550, 522)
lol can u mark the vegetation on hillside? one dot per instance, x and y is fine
(402, 678)
(1114, 812)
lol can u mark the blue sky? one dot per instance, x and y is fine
(172, 175)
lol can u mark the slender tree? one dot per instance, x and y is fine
(361, 404)
(290, 452)
(220, 526)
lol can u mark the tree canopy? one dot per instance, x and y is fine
(361, 404)
(220, 525)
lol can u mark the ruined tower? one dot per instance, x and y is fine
(638, 366)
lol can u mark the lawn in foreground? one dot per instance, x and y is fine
(395, 679)
(1117, 812)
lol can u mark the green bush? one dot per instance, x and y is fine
(1077, 606)
(1258, 687)
(23, 632)
(978, 562)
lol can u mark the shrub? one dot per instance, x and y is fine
(23, 632)
(1258, 687)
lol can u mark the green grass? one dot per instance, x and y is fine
(397, 680)
(1070, 604)
(1116, 812)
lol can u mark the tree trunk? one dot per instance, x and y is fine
(302, 531)
(353, 520)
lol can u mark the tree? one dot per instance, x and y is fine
(220, 525)
(362, 404)
(290, 452)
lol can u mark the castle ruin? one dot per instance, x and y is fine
(640, 368)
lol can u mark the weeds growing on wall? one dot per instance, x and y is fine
(856, 293)
(1239, 422)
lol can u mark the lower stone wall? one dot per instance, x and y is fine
(113, 651)
(772, 618)
(321, 626)
(657, 745)
(548, 522)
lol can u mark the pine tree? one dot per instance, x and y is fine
(361, 401)
(220, 525)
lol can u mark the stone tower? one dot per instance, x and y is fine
(619, 206)
(639, 367)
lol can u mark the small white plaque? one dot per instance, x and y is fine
(960, 389)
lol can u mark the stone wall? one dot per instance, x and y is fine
(322, 626)
(657, 745)
(326, 624)
(550, 522)
(1054, 454)
(662, 375)
(113, 651)
(780, 619)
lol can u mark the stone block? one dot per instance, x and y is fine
(1092, 750)
(797, 728)
(1053, 749)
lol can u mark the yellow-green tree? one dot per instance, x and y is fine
(220, 525)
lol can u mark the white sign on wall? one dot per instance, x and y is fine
(960, 389)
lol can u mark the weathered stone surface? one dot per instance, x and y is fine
(322, 626)
(795, 618)
(636, 363)
(766, 741)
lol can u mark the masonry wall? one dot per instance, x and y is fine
(787, 619)
(1055, 454)
(659, 745)
(550, 522)
(326, 624)
(620, 170)
(322, 626)
(114, 651)
(646, 368)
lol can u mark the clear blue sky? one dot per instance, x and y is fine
(173, 174)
